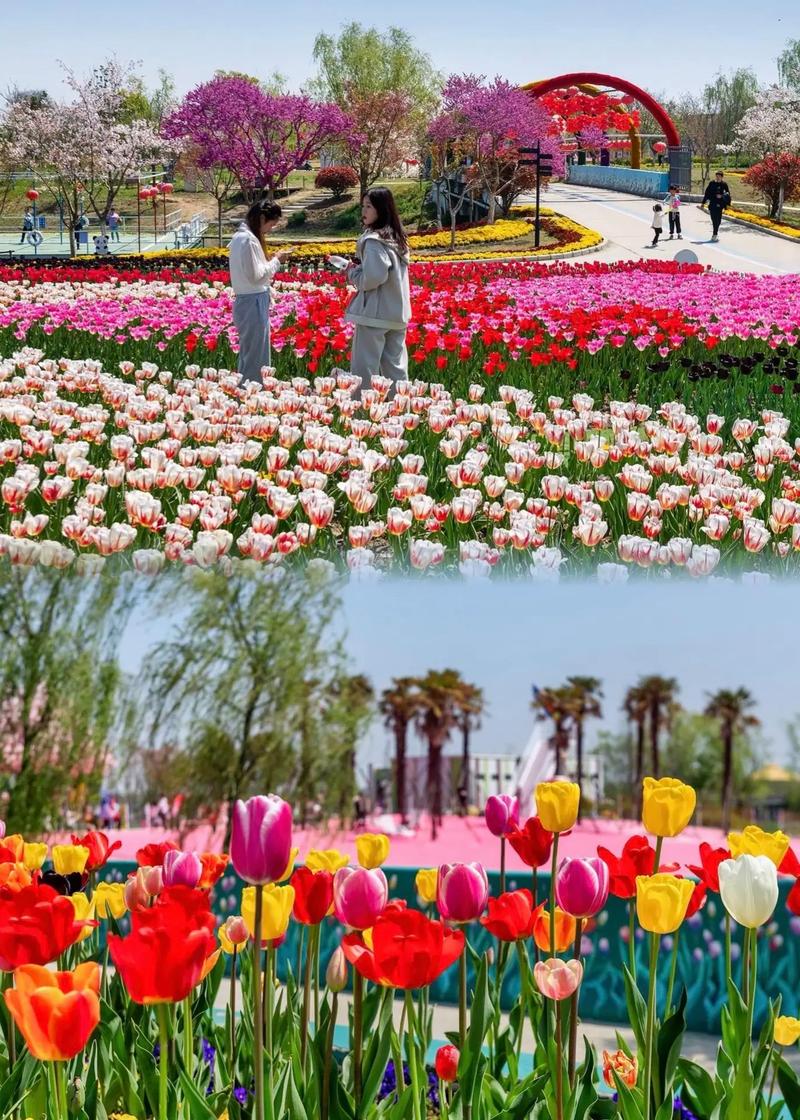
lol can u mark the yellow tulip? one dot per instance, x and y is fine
(84, 911)
(372, 849)
(290, 865)
(668, 806)
(662, 901)
(34, 855)
(109, 899)
(754, 841)
(326, 859)
(276, 911)
(786, 1031)
(69, 858)
(425, 882)
(557, 804)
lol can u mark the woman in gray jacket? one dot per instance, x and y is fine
(381, 307)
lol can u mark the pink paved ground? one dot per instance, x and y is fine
(459, 839)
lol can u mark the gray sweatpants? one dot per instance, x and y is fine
(251, 319)
(377, 350)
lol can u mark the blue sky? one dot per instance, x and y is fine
(666, 47)
(506, 636)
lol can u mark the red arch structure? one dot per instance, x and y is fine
(621, 85)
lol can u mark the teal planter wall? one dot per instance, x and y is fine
(652, 184)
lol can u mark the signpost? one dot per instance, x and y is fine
(543, 162)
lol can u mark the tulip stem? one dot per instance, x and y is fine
(559, 1064)
(651, 1021)
(258, 1011)
(411, 1051)
(462, 1016)
(306, 998)
(502, 865)
(187, 1035)
(525, 990)
(443, 1110)
(163, 1081)
(553, 869)
(632, 937)
(317, 939)
(673, 968)
(753, 983)
(727, 951)
(397, 1047)
(776, 1057)
(358, 1033)
(269, 980)
(573, 1023)
(233, 1015)
(746, 967)
(326, 1072)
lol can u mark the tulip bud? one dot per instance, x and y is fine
(153, 880)
(446, 1062)
(462, 891)
(359, 895)
(336, 972)
(557, 979)
(748, 886)
(557, 804)
(500, 812)
(137, 895)
(181, 869)
(582, 886)
(261, 840)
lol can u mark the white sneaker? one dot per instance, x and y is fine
(680, 237)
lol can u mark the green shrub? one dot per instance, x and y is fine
(298, 218)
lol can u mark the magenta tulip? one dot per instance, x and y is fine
(359, 896)
(462, 891)
(501, 812)
(261, 840)
(181, 869)
(582, 886)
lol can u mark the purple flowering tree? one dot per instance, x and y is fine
(479, 132)
(259, 137)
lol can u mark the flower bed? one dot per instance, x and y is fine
(765, 223)
(147, 1040)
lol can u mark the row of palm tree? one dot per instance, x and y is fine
(442, 702)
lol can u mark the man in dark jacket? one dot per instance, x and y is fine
(717, 198)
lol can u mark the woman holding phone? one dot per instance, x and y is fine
(251, 273)
(381, 307)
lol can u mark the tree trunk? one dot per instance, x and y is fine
(434, 785)
(579, 761)
(465, 757)
(400, 770)
(727, 776)
(638, 772)
(655, 722)
(363, 179)
(491, 213)
(560, 746)
(219, 222)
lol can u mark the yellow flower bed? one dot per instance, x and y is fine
(765, 223)
(587, 239)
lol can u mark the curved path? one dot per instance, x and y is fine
(624, 221)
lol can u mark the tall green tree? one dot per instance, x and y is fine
(440, 692)
(789, 65)
(728, 97)
(385, 84)
(398, 705)
(635, 707)
(659, 694)
(583, 702)
(554, 704)
(732, 708)
(61, 693)
(253, 684)
(469, 709)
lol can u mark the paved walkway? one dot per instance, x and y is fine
(624, 220)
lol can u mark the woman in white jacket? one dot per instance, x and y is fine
(381, 307)
(251, 273)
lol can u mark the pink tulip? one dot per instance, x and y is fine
(261, 839)
(182, 869)
(137, 896)
(462, 891)
(582, 886)
(2, 829)
(501, 812)
(557, 979)
(359, 895)
(153, 880)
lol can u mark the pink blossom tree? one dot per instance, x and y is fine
(482, 127)
(261, 137)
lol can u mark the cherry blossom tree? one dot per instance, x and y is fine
(484, 125)
(772, 124)
(261, 137)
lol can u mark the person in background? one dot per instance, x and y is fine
(657, 224)
(673, 205)
(113, 225)
(251, 273)
(717, 198)
(27, 225)
(381, 307)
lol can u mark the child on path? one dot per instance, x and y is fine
(673, 205)
(657, 224)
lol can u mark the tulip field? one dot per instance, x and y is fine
(131, 999)
(564, 419)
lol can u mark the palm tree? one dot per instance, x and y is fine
(355, 696)
(659, 693)
(398, 706)
(437, 715)
(635, 706)
(554, 704)
(585, 694)
(732, 709)
(469, 709)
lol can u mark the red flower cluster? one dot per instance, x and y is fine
(407, 949)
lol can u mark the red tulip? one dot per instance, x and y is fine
(511, 916)
(100, 848)
(532, 842)
(710, 859)
(152, 855)
(446, 1062)
(637, 858)
(408, 950)
(36, 925)
(313, 895)
(165, 954)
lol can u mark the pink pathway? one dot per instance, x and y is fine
(459, 839)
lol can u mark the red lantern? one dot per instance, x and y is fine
(166, 188)
(659, 147)
(144, 194)
(32, 194)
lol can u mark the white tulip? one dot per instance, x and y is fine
(748, 886)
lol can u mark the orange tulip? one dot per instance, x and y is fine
(12, 849)
(56, 1012)
(14, 876)
(213, 869)
(565, 931)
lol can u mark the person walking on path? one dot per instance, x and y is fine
(657, 224)
(27, 225)
(251, 274)
(381, 307)
(673, 205)
(717, 198)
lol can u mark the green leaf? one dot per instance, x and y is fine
(198, 1106)
(637, 1008)
(378, 1053)
(480, 1016)
(698, 1084)
(668, 1048)
(789, 1087)
(586, 1090)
